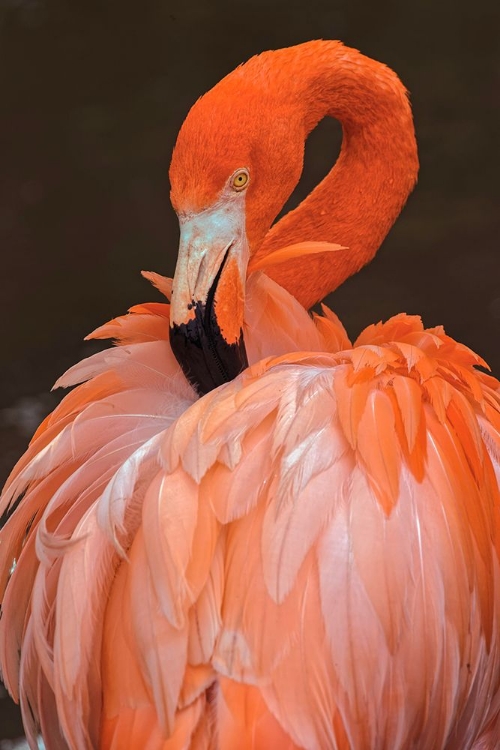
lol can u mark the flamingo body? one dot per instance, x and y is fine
(307, 556)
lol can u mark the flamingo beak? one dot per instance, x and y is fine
(206, 314)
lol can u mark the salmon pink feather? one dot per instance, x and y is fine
(307, 556)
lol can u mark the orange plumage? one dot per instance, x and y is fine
(306, 555)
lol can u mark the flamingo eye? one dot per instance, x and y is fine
(240, 179)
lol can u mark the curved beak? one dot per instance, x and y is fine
(206, 314)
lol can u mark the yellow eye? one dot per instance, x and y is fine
(240, 179)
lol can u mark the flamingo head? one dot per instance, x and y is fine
(237, 158)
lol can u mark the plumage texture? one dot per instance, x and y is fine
(306, 557)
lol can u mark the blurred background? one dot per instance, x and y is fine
(92, 94)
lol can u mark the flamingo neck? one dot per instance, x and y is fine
(361, 197)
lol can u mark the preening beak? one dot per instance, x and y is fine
(206, 314)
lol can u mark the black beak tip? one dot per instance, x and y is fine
(206, 358)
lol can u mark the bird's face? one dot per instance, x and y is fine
(232, 169)
(206, 315)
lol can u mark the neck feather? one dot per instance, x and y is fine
(361, 197)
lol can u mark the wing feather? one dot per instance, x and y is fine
(309, 554)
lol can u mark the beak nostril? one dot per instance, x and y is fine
(201, 269)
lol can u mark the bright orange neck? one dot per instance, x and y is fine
(359, 200)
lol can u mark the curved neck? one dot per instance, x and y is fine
(361, 197)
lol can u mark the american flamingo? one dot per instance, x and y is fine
(298, 553)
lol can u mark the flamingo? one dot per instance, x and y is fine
(240, 530)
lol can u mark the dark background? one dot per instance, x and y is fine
(91, 97)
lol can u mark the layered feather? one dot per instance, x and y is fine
(307, 556)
